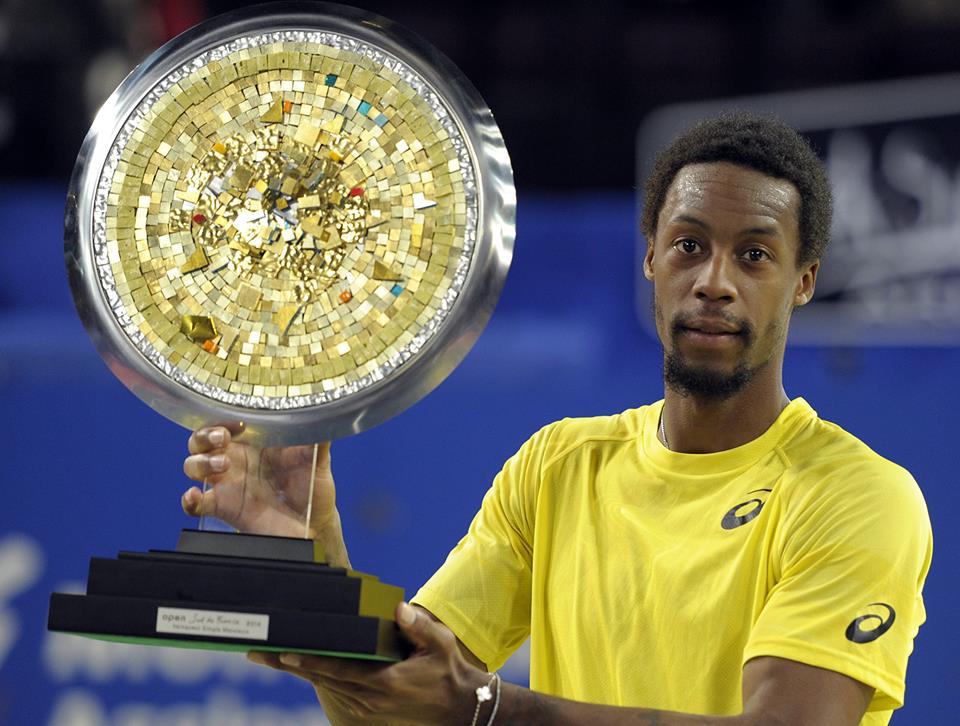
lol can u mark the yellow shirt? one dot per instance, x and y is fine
(648, 578)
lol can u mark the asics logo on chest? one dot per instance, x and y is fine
(746, 511)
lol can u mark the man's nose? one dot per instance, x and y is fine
(716, 279)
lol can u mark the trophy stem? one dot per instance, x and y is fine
(313, 481)
(206, 520)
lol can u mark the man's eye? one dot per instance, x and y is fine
(755, 254)
(687, 245)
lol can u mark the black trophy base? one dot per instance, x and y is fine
(221, 591)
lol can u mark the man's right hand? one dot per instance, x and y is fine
(263, 490)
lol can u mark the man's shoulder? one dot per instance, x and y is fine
(568, 435)
(826, 456)
(836, 488)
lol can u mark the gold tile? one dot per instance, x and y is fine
(382, 272)
(274, 114)
(284, 317)
(197, 261)
(248, 297)
(198, 327)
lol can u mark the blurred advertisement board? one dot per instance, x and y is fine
(892, 150)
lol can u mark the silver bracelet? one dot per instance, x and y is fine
(484, 694)
(496, 702)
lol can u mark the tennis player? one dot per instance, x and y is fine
(723, 556)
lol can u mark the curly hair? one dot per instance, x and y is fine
(762, 143)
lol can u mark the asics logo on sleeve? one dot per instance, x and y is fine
(744, 512)
(880, 624)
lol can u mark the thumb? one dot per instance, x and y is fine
(420, 630)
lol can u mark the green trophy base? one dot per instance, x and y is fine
(222, 591)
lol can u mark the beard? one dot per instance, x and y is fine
(704, 382)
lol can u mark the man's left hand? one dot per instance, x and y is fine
(434, 685)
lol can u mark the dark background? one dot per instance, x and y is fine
(568, 82)
(90, 470)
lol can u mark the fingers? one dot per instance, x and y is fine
(196, 503)
(336, 696)
(213, 437)
(204, 440)
(422, 631)
(330, 680)
(271, 660)
(203, 466)
(341, 670)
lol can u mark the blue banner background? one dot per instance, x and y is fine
(89, 469)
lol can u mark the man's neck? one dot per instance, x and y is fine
(703, 426)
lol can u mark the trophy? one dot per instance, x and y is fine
(297, 216)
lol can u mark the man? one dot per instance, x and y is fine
(721, 557)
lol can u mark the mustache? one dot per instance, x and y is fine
(682, 321)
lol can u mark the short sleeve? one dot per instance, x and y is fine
(482, 592)
(855, 550)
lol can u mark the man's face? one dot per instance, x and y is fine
(723, 264)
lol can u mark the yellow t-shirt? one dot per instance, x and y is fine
(648, 578)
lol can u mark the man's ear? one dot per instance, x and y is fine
(648, 262)
(806, 284)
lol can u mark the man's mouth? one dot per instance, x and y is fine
(718, 328)
(711, 331)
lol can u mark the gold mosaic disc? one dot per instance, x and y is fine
(286, 217)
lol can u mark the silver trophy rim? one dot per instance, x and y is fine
(413, 379)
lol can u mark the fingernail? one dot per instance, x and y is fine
(407, 614)
(255, 658)
(290, 659)
(218, 462)
(215, 437)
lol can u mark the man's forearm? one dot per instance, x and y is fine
(523, 707)
(437, 684)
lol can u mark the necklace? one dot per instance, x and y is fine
(663, 433)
